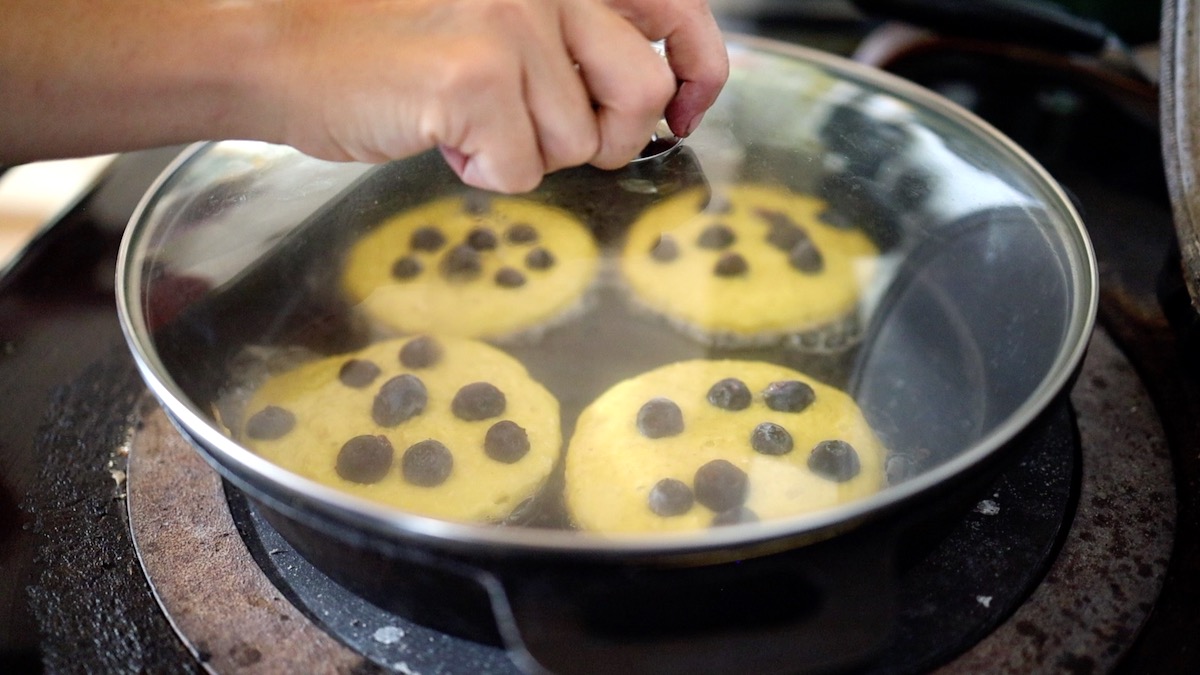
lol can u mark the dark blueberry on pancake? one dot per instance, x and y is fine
(358, 373)
(730, 394)
(769, 438)
(478, 401)
(506, 442)
(671, 497)
(427, 464)
(788, 396)
(399, 399)
(659, 418)
(720, 485)
(420, 352)
(365, 459)
(835, 460)
(428, 239)
(270, 423)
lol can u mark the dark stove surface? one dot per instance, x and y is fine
(74, 597)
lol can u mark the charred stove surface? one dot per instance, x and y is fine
(1085, 614)
(232, 619)
(93, 606)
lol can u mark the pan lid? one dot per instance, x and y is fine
(839, 292)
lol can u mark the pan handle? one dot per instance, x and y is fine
(821, 607)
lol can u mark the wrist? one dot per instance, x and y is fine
(227, 73)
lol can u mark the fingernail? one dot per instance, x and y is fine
(691, 125)
(456, 159)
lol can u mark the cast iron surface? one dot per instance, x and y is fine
(67, 573)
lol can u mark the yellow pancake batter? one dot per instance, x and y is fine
(755, 265)
(486, 269)
(467, 434)
(642, 446)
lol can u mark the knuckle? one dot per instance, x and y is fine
(651, 94)
(615, 155)
(465, 72)
(507, 14)
(571, 151)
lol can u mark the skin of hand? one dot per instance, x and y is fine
(509, 90)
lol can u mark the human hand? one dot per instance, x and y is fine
(695, 52)
(509, 90)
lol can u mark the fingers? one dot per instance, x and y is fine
(559, 104)
(629, 83)
(509, 90)
(528, 117)
(482, 125)
(695, 50)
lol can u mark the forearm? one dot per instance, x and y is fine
(86, 76)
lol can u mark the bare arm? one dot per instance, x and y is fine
(508, 89)
(81, 76)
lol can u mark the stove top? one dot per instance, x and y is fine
(1109, 578)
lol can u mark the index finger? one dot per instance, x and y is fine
(695, 51)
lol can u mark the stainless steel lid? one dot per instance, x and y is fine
(841, 291)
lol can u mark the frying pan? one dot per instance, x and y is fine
(974, 323)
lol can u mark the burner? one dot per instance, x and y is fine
(966, 605)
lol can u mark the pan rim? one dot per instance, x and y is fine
(264, 479)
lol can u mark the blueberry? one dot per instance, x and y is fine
(716, 237)
(769, 438)
(358, 373)
(461, 263)
(720, 485)
(804, 257)
(420, 352)
(671, 497)
(427, 238)
(786, 237)
(834, 460)
(730, 394)
(521, 233)
(731, 265)
(400, 398)
(482, 239)
(478, 401)
(270, 423)
(788, 396)
(659, 418)
(508, 277)
(506, 442)
(365, 459)
(539, 259)
(406, 268)
(427, 464)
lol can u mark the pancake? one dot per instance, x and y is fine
(700, 443)
(443, 427)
